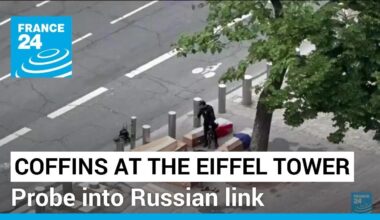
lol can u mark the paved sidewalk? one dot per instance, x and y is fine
(290, 197)
(278, 197)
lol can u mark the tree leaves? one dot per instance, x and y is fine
(341, 76)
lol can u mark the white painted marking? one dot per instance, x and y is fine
(5, 21)
(232, 23)
(209, 75)
(5, 77)
(42, 3)
(133, 12)
(64, 75)
(174, 52)
(197, 70)
(213, 67)
(152, 63)
(82, 38)
(14, 136)
(77, 102)
(208, 71)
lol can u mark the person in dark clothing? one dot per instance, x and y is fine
(124, 135)
(207, 111)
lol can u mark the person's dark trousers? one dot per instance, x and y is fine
(205, 130)
(214, 126)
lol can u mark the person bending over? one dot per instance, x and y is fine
(207, 111)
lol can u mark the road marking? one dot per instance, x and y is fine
(64, 75)
(133, 12)
(232, 23)
(5, 21)
(37, 5)
(152, 63)
(174, 52)
(14, 136)
(77, 102)
(208, 71)
(42, 3)
(82, 38)
(4, 77)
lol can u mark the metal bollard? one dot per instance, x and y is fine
(172, 117)
(247, 90)
(196, 120)
(222, 98)
(146, 134)
(119, 144)
(67, 188)
(269, 67)
(133, 131)
(38, 190)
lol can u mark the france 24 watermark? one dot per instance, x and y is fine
(41, 47)
(361, 202)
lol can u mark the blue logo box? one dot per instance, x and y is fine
(41, 47)
(361, 202)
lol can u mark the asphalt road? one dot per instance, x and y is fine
(111, 51)
(104, 97)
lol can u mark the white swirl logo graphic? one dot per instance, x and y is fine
(50, 63)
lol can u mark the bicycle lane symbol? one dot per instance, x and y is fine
(208, 71)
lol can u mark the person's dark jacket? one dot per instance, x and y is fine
(124, 134)
(208, 114)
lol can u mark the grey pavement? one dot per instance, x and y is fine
(290, 197)
(102, 60)
(93, 125)
(112, 51)
(109, 53)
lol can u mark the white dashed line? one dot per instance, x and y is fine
(232, 23)
(82, 38)
(174, 52)
(64, 75)
(133, 12)
(77, 102)
(5, 21)
(152, 63)
(5, 77)
(14, 136)
(42, 3)
(37, 5)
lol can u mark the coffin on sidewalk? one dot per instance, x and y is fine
(196, 137)
(239, 142)
(162, 144)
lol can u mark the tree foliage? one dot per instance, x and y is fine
(341, 76)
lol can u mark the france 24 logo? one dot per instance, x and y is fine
(361, 202)
(41, 47)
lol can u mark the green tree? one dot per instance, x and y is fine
(341, 76)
